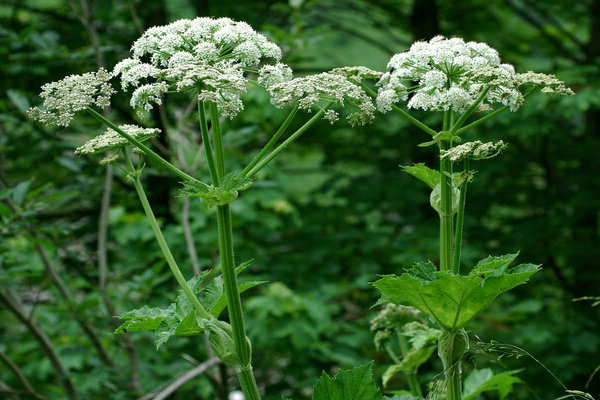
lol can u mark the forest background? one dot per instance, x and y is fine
(326, 218)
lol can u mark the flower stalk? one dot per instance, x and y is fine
(164, 247)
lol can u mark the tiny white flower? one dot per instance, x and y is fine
(309, 90)
(74, 93)
(270, 75)
(145, 95)
(204, 55)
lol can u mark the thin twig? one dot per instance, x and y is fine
(11, 301)
(178, 382)
(28, 389)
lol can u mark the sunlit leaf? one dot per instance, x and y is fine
(454, 300)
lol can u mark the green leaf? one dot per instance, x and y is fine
(18, 99)
(454, 300)
(144, 319)
(484, 380)
(429, 176)
(180, 318)
(354, 384)
(19, 192)
(5, 211)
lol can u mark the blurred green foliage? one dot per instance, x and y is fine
(321, 222)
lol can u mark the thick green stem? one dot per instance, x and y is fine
(445, 211)
(271, 142)
(218, 142)
(232, 294)
(451, 346)
(212, 169)
(164, 247)
(460, 218)
(288, 141)
(149, 153)
(234, 304)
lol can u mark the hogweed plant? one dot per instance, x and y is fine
(212, 61)
(467, 84)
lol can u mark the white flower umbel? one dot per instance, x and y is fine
(309, 90)
(111, 139)
(450, 74)
(74, 93)
(208, 56)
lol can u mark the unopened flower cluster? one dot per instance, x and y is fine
(74, 93)
(450, 74)
(205, 55)
(111, 139)
(475, 150)
(325, 87)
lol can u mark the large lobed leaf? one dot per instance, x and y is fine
(454, 300)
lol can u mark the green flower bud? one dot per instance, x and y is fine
(435, 199)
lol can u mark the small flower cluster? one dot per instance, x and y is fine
(357, 74)
(391, 318)
(450, 74)
(74, 93)
(475, 150)
(309, 90)
(112, 140)
(205, 55)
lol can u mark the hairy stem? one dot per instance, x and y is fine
(164, 247)
(445, 212)
(234, 303)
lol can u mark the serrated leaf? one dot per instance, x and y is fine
(143, 319)
(484, 380)
(430, 177)
(354, 384)
(165, 330)
(454, 300)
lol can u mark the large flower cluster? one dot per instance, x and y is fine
(450, 74)
(205, 55)
(309, 90)
(74, 93)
